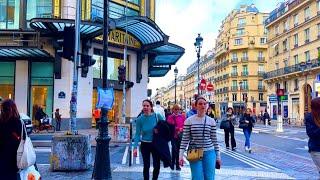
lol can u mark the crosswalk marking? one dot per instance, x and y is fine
(293, 138)
(248, 160)
(42, 149)
(124, 158)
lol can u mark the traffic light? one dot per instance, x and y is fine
(129, 84)
(68, 42)
(121, 74)
(86, 61)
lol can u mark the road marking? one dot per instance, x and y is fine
(248, 160)
(305, 148)
(42, 149)
(124, 158)
(185, 171)
(138, 158)
(293, 138)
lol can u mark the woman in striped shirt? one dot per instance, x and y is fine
(200, 131)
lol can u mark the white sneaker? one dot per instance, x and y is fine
(246, 148)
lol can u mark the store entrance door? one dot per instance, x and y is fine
(41, 96)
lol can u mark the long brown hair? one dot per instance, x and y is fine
(9, 111)
(315, 110)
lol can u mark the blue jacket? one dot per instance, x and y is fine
(313, 132)
(191, 112)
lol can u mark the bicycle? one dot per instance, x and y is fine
(44, 125)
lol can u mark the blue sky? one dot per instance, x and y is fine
(182, 20)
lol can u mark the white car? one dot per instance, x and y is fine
(27, 121)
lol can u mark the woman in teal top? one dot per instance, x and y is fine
(144, 128)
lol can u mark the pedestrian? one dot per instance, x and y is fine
(313, 131)
(144, 128)
(39, 115)
(176, 119)
(210, 111)
(58, 119)
(158, 109)
(193, 109)
(230, 119)
(10, 132)
(200, 132)
(247, 123)
(266, 118)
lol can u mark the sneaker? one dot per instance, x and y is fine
(178, 168)
(250, 151)
(234, 149)
(228, 147)
(246, 148)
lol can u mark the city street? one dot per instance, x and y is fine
(273, 157)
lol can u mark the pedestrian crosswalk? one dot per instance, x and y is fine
(238, 156)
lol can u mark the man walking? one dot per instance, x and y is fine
(158, 109)
(58, 119)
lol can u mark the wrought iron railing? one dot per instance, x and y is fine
(19, 39)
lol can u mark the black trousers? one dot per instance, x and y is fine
(146, 150)
(226, 137)
(175, 147)
(58, 125)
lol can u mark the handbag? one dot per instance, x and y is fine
(196, 154)
(26, 155)
(29, 173)
(225, 124)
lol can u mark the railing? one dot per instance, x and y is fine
(245, 73)
(234, 74)
(290, 69)
(261, 73)
(234, 88)
(244, 88)
(18, 39)
(234, 60)
(244, 59)
(261, 58)
(261, 88)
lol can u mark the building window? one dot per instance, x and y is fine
(264, 18)
(240, 31)
(260, 96)
(276, 30)
(318, 5)
(307, 13)
(296, 59)
(277, 85)
(276, 49)
(285, 85)
(295, 20)
(241, 22)
(9, 14)
(307, 55)
(261, 68)
(285, 62)
(285, 45)
(307, 35)
(234, 55)
(263, 40)
(285, 25)
(245, 54)
(244, 96)
(277, 66)
(296, 85)
(319, 30)
(260, 83)
(245, 84)
(296, 40)
(260, 54)
(238, 41)
(234, 70)
(234, 97)
(7, 75)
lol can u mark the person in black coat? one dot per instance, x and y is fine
(313, 131)
(10, 132)
(247, 123)
(266, 117)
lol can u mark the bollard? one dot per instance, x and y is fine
(266, 122)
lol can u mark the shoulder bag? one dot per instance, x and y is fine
(225, 124)
(196, 154)
(26, 156)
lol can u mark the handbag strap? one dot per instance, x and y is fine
(23, 129)
(204, 126)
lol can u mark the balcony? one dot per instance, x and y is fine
(241, 25)
(234, 74)
(245, 73)
(244, 59)
(306, 41)
(234, 60)
(261, 58)
(244, 88)
(290, 69)
(234, 88)
(295, 46)
(261, 73)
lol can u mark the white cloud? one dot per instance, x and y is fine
(182, 20)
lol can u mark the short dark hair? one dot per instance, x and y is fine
(231, 109)
(157, 102)
(200, 97)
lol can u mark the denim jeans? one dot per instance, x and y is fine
(205, 168)
(247, 134)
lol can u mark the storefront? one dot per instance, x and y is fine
(273, 106)
(7, 75)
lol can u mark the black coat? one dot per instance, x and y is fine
(160, 141)
(313, 131)
(248, 118)
(10, 133)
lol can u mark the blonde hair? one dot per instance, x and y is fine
(175, 106)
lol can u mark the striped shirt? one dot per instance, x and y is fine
(198, 135)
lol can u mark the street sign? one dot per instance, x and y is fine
(210, 87)
(203, 84)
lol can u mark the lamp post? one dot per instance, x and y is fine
(305, 67)
(198, 46)
(175, 84)
(102, 168)
(240, 86)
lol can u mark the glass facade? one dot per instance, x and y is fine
(114, 61)
(9, 14)
(41, 89)
(7, 74)
(39, 9)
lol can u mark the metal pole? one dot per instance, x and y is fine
(102, 168)
(73, 101)
(123, 119)
(175, 89)
(198, 56)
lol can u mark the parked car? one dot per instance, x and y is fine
(27, 121)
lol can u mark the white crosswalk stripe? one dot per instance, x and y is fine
(42, 149)
(125, 157)
(248, 160)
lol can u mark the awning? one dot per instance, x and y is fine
(16, 53)
(167, 54)
(54, 26)
(159, 71)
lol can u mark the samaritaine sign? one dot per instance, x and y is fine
(118, 37)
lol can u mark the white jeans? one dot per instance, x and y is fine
(316, 159)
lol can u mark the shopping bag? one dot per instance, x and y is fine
(29, 173)
(26, 155)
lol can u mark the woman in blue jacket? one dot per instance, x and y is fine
(144, 128)
(313, 130)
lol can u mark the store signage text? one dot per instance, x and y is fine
(118, 37)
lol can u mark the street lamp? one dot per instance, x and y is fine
(198, 46)
(305, 67)
(175, 84)
(240, 86)
(102, 169)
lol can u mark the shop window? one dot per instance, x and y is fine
(7, 73)
(260, 96)
(9, 14)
